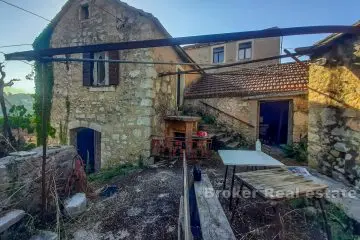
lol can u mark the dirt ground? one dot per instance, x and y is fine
(147, 207)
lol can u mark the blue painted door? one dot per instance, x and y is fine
(86, 148)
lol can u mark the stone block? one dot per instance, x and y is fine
(353, 124)
(146, 102)
(75, 205)
(341, 147)
(10, 218)
(45, 235)
(335, 153)
(338, 131)
(116, 137)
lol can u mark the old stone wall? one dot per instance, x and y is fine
(165, 87)
(20, 177)
(262, 48)
(246, 111)
(125, 114)
(334, 116)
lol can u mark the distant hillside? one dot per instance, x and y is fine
(19, 99)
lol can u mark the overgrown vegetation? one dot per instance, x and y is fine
(208, 119)
(341, 226)
(44, 78)
(108, 174)
(298, 150)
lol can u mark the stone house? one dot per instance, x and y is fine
(235, 51)
(266, 102)
(334, 107)
(109, 111)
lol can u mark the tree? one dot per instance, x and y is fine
(20, 119)
(6, 127)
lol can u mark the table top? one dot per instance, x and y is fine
(248, 158)
(280, 184)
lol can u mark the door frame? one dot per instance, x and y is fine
(290, 117)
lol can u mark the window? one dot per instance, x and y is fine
(84, 12)
(101, 70)
(218, 54)
(245, 51)
(101, 73)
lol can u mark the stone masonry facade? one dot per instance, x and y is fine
(247, 111)
(128, 114)
(334, 113)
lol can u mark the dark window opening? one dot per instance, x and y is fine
(218, 55)
(245, 51)
(85, 13)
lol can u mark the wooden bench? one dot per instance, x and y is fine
(213, 221)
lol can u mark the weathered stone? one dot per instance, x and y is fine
(348, 157)
(338, 131)
(20, 172)
(45, 235)
(115, 137)
(341, 147)
(75, 205)
(10, 218)
(335, 153)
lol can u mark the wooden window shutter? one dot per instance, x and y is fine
(114, 68)
(87, 70)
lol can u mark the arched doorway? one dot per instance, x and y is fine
(88, 144)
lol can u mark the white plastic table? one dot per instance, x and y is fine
(246, 158)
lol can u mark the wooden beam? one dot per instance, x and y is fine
(273, 32)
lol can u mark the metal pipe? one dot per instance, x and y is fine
(187, 228)
(58, 59)
(211, 38)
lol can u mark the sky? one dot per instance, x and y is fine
(184, 18)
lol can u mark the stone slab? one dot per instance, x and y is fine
(10, 218)
(22, 154)
(213, 221)
(75, 205)
(350, 205)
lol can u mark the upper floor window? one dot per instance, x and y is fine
(101, 69)
(101, 72)
(84, 12)
(218, 54)
(245, 51)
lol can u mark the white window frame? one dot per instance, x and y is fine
(182, 86)
(237, 50)
(212, 53)
(96, 83)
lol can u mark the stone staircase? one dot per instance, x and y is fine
(224, 138)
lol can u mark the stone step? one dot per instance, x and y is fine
(220, 135)
(211, 135)
(10, 218)
(233, 144)
(225, 140)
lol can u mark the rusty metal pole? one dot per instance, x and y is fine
(43, 81)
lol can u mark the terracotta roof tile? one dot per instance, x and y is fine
(265, 80)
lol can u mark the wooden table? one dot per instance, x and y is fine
(279, 184)
(246, 158)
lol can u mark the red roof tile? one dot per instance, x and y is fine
(265, 80)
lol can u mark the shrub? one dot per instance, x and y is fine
(209, 119)
(298, 150)
(107, 174)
